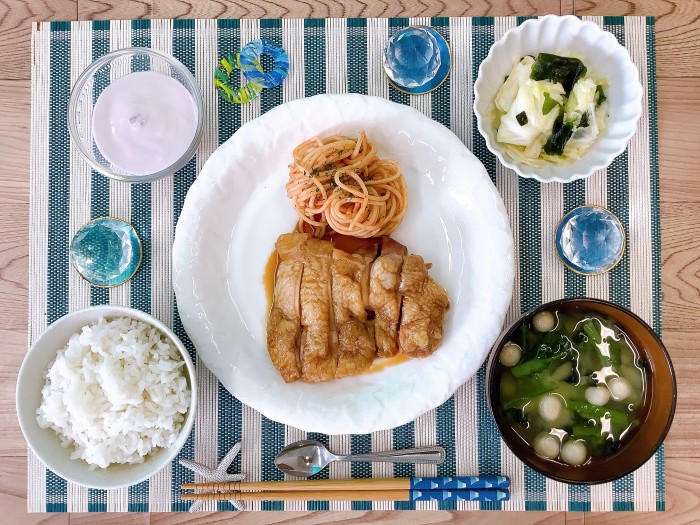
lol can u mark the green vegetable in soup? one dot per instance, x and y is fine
(587, 411)
(533, 366)
(592, 331)
(579, 383)
(558, 69)
(519, 402)
(592, 433)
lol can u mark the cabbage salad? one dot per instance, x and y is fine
(549, 110)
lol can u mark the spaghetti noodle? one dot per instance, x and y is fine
(339, 183)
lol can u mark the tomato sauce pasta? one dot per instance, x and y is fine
(339, 183)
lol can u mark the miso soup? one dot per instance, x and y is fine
(572, 386)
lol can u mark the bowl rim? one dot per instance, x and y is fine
(197, 98)
(168, 454)
(557, 302)
(482, 121)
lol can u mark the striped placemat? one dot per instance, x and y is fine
(331, 56)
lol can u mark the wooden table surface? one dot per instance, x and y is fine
(678, 74)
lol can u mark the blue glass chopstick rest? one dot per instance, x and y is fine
(251, 66)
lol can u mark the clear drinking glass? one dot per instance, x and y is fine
(97, 77)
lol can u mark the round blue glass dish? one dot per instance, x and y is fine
(106, 252)
(590, 240)
(416, 60)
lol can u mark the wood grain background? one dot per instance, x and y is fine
(678, 69)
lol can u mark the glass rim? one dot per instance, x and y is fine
(193, 89)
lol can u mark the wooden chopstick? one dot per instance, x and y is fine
(357, 495)
(302, 495)
(430, 483)
(304, 485)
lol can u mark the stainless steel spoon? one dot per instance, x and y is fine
(308, 457)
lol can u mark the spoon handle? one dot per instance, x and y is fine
(434, 455)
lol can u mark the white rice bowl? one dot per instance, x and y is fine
(117, 392)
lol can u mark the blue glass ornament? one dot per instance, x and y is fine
(106, 252)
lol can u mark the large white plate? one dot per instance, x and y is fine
(238, 207)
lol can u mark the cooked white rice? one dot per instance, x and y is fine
(116, 393)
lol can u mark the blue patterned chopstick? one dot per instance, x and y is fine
(420, 484)
(357, 495)
(460, 495)
(455, 488)
(460, 482)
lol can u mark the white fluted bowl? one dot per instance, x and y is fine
(600, 52)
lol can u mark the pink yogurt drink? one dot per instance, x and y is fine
(144, 122)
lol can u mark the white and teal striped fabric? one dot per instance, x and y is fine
(327, 56)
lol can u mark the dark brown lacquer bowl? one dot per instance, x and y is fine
(655, 418)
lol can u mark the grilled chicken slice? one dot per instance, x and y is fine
(284, 324)
(318, 328)
(384, 298)
(356, 350)
(319, 339)
(422, 309)
(389, 245)
(349, 271)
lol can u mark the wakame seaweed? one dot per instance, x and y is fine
(521, 118)
(565, 70)
(583, 123)
(560, 135)
(599, 95)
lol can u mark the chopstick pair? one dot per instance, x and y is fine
(454, 488)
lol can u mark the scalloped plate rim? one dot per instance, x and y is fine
(187, 243)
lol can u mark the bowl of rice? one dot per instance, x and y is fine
(106, 396)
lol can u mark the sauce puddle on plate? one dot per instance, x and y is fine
(381, 364)
(269, 277)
